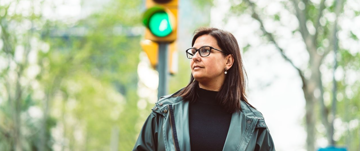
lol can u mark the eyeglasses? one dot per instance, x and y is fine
(204, 51)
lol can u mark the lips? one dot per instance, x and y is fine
(197, 67)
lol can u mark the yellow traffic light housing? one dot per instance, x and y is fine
(151, 49)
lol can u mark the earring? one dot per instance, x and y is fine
(225, 72)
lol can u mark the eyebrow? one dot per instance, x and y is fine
(203, 46)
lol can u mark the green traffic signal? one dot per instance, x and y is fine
(160, 20)
(157, 20)
(159, 24)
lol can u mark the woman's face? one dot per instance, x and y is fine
(210, 68)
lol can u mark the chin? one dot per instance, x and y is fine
(198, 77)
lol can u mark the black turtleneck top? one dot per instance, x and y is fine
(208, 122)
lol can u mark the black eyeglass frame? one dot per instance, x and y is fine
(198, 50)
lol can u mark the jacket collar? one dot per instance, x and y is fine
(243, 121)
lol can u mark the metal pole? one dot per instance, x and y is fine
(163, 69)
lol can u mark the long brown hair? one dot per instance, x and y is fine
(233, 89)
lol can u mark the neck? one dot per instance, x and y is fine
(212, 86)
(206, 95)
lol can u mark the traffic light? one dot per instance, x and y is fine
(151, 50)
(160, 20)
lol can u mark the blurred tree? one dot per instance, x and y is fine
(348, 99)
(67, 85)
(318, 32)
(19, 44)
(104, 58)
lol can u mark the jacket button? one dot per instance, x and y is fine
(155, 108)
(161, 104)
(249, 121)
(165, 111)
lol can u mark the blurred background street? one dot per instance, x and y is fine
(75, 77)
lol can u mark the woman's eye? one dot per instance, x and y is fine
(205, 50)
(193, 51)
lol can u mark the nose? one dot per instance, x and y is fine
(196, 56)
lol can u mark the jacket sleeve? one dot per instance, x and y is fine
(147, 139)
(264, 141)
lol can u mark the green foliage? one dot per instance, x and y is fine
(353, 36)
(86, 85)
(348, 104)
(238, 8)
(246, 48)
(277, 17)
(107, 61)
(201, 3)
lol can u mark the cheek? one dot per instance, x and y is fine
(216, 67)
(213, 69)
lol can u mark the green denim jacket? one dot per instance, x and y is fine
(167, 129)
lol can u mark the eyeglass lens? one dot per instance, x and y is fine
(203, 51)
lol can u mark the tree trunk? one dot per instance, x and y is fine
(47, 105)
(310, 119)
(43, 137)
(17, 111)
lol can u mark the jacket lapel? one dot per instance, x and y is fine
(243, 122)
(181, 112)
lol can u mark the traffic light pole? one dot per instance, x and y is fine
(162, 68)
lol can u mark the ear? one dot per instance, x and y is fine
(229, 61)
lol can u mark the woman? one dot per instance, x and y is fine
(211, 112)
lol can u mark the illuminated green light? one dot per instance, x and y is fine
(159, 24)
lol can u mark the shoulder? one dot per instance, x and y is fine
(161, 106)
(253, 113)
(250, 111)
